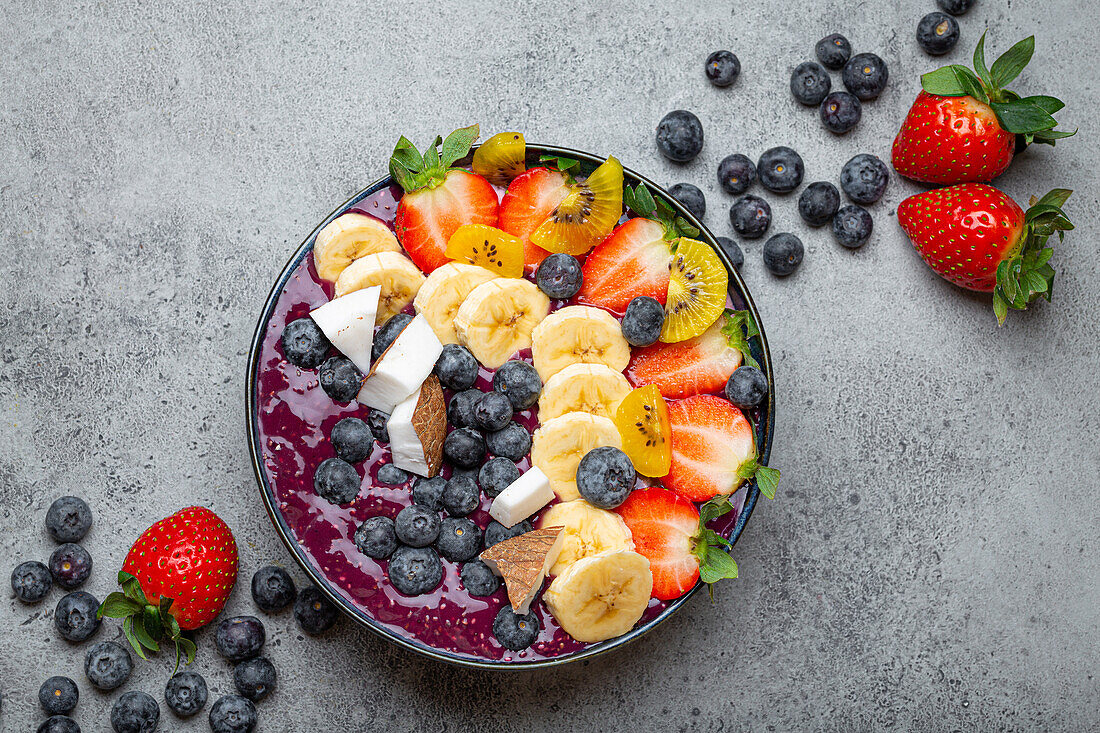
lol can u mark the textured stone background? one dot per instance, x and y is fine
(931, 561)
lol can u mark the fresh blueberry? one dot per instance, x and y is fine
(70, 565)
(304, 344)
(750, 216)
(314, 612)
(377, 420)
(376, 537)
(336, 481)
(59, 724)
(460, 410)
(937, 33)
(955, 7)
(840, 112)
(736, 173)
(388, 334)
(58, 695)
(417, 526)
(108, 665)
(135, 712)
(464, 447)
(643, 320)
(746, 387)
(691, 196)
(428, 492)
(780, 169)
(733, 252)
(605, 477)
(232, 714)
(865, 75)
(723, 68)
(75, 616)
(68, 519)
(519, 382)
(833, 51)
(415, 570)
(852, 225)
(240, 637)
(461, 496)
(680, 136)
(186, 693)
(31, 581)
(340, 378)
(497, 475)
(272, 589)
(864, 178)
(512, 442)
(456, 367)
(497, 532)
(459, 539)
(513, 631)
(560, 276)
(352, 439)
(818, 202)
(783, 254)
(254, 678)
(492, 411)
(478, 579)
(810, 83)
(391, 475)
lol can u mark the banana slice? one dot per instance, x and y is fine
(592, 388)
(560, 444)
(398, 276)
(578, 334)
(443, 292)
(601, 596)
(349, 237)
(497, 318)
(588, 531)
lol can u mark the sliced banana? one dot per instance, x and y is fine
(601, 596)
(497, 318)
(398, 276)
(578, 334)
(443, 292)
(593, 388)
(558, 446)
(588, 530)
(349, 237)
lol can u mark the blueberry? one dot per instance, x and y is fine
(460, 410)
(377, 420)
(746, 387)
(478, 579)
(691, 196)
(388, 334)
(736, 173)
(783, 254)
(497, 475)
(497, 532)
(810, 83)
(428, 492)
(254, 678)
(272, 589)
(314, 612)
(519, 382)
(605, 477)
(459, 539)
(186, 693)
(68, 519)
(464, 447)
(461, 496)
(723, 68)
(232, 714)
(340, 378)
(70, 566)
(59, 724)
(415, 570)
(512, 442)
(852, 225)
(336, 481)
(108, 665)
(732, 251)
(240, 637)
(376, 537)
(780, 169)
(864, 178)
(680, 136)
(840, 112)
(937, 33)
(750, 216)
(492, 411)
(513, 631)
(955, 7)
(417, 526)
(75, 616)
(865, 76)
(58, 695)
(560, 276)
(352, 439)
(643, 320)
(391, 475)
(456, 367)
(304, 344)
(31, 581)
(818, 202)
(135, 712)
(833, 51)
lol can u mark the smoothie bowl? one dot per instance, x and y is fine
(510, 406)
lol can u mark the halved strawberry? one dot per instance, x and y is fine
(438, 198)
(531, 198)
(632, 261)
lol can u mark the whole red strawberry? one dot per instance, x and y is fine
(964, 124)
(980, 239)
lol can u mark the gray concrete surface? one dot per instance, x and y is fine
(931, 561)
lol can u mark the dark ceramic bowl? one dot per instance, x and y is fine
(741, 299)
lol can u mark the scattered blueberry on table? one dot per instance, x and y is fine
(723, 68)
(937, 33)
(780, 169)
(864, 178)
(70, 566)
(58, 695)
(810, 83)
(865, 75)
(68, 519)
(750, 216)
(833, 51)
(75, 616)
(314, 612)
(31, 581)
(852, 226)
(240, 637)
(736, 173)
(680, 136)
(232, 714)
(186, 693)
(840, 112)
(108, 665)
(135, 712)
(783, 254)
(254, 678)
(732, 250)
(818, 202)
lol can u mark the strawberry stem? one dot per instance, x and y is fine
(144, 623)
(414, 171)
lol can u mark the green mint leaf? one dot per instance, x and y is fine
(1021, 117)
(768, 480)
(979, 63)
(738, 329)
(943, 82)
(748, 469)
(714, 508)
(717, 565)
(118, 605)
(1000, 307)
(1009, 65)
(458, 143)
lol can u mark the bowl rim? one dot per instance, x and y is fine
(763, 439)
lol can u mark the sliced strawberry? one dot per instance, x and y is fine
(663, 526)
(712, 444)
(632, 261)
(530, 199)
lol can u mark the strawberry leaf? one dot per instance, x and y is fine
(646, 204)
(716, 564)
(979, 63)
(128, 632)
(1022, 117)
(1009, 65)
(1000, 307)
(132, 588)
(1048, 104)
(118, 605)
(971, 83)
(458, 143)
(1056, 197)
(943, 82)
(562, 164)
